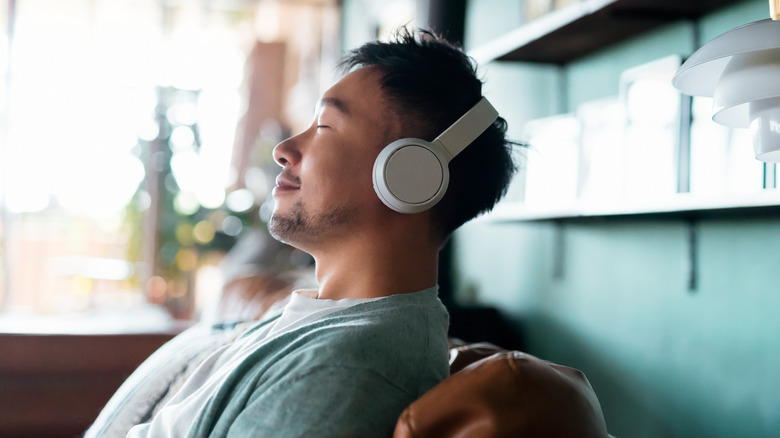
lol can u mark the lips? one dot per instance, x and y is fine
(285, 183)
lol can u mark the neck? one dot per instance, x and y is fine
(369, 266)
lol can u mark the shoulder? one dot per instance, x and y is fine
(399, 322)
(404, 341)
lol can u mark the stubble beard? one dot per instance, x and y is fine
(300, 228)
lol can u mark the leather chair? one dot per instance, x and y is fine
(492, 392)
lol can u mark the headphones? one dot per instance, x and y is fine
(411, 175)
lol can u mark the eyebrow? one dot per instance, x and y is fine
(337, 103)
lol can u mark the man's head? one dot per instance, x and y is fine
(406, 88)
(429, 84)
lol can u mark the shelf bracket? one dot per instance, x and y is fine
(692, 268)
(559, 248)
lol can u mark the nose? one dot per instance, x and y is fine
(286, 153)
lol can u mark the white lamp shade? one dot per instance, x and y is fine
(740, 69)
(746, 78)
(699, 74)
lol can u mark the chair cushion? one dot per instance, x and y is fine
(508, 394)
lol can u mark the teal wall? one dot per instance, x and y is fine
(665, 361)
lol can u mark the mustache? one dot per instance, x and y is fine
(290, 177)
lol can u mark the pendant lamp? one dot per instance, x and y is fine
(740, 70)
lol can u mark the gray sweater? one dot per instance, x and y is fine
(350, 373)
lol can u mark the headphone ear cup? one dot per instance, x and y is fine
(411, 175)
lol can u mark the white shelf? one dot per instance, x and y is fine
(683, 204)
(586, 26)
(536, 30)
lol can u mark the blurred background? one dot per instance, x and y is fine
(638, 243)
(137, 141)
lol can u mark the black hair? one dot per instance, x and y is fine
(431, 83)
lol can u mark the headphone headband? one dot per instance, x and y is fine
(467, 128)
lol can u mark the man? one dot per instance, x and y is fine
(347, 358)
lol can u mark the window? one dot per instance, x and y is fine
(127, 162)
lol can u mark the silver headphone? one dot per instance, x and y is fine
(411, 175)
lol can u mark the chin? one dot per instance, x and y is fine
(279, 228)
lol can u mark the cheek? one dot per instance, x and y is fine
(355, 168)
(337, 179)
(344, 173)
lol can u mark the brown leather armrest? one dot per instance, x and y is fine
(463, 354)
(509, 394)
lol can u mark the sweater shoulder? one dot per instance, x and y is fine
(406, 344)
(406, 324)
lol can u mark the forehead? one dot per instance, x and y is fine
(356, 94)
